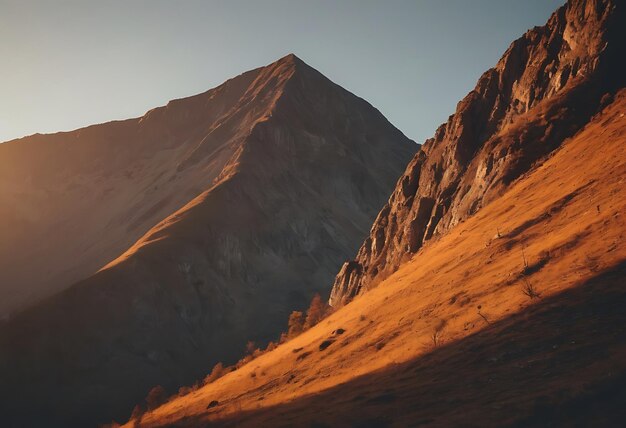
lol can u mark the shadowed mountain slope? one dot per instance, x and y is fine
(310, 166)
(73, 201)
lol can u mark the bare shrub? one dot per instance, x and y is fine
(217, 372)
(479, 307)
(524, 260)
(437, 332)
(529, 289)
(156, 397)
(184, 390)
(245, 360)
(137, 414)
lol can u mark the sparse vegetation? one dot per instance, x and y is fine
(217, 372)
(137, 414)
(184, 390)
(298, 322)
(529, 289)
(156, 397)
(318, 310)
(482, 315)
(437, 332)
(524, 259)
(295, 325)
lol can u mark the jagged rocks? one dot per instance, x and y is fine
(547, 85)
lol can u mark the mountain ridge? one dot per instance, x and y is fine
(109, 184)
(519, 112)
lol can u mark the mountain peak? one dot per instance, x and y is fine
(291, 58)
(204, 199)
(289, 61)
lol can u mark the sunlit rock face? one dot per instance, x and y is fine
(544, 89)
(304, 166)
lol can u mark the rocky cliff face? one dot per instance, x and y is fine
(546, 86)
(306, 169)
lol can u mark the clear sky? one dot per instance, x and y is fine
(67, 64)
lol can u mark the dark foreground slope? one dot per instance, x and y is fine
(546, 87)
(312, 167)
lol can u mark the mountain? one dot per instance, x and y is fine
(544, 89)
(277, 175)
(451, 338)
(491, 289)
(73, 201)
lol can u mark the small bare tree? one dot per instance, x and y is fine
(156, 397)
(137, 414)
(318, 310)
(295, 324)
(217, 372)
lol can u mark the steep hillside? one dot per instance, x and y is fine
(312, 166)
(546, 87)
(495, 273)
(512, 318)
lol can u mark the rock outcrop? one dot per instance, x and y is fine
(306, 168)
(547, 85)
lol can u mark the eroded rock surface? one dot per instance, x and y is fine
(547, 85)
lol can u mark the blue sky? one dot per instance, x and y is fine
(68, 64)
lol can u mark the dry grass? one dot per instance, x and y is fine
(401, 309)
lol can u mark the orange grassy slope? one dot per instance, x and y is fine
(452, 337)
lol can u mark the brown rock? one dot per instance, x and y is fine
(547, 85)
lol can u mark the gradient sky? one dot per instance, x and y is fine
(68, 64)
